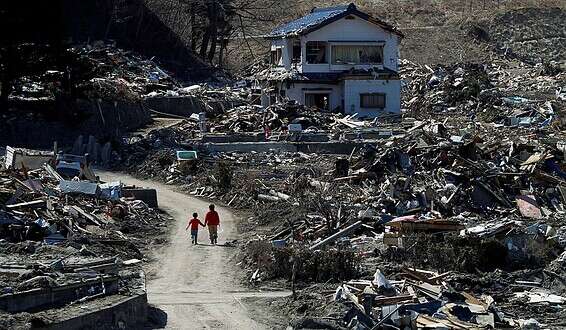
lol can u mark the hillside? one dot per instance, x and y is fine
(445, 32)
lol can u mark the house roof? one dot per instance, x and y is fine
(320, 17)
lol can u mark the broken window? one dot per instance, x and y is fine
(317, 100)
(276, 56)
(296, 51)
(347, 54)
(316, 52)
(372, 100)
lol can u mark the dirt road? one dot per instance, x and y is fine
(196, 285)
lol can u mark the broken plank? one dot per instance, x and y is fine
(32, 204)
(346, 231)
(87, 215)
(380, 301)
(52, 172)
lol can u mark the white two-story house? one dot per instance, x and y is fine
(336, 59)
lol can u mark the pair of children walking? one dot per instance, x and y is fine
(212, 220)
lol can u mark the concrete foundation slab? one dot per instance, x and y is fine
(340, 148)
(121, 313)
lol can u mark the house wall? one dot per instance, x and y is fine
(352, 30)
(353, 89)
(286, 49)
(296, 91)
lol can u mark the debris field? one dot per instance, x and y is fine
(69, 246)
(448, 216)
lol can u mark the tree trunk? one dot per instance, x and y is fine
(204, 44)
(213, 18)
(245, 38)
(205, 41)
(194, 34)
(223, 44)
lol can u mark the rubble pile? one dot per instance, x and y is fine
(62, 236)
(112, 73)
(419, 299)
(93, 71)
(69, 276)
(276, 117)
(532, 35)
(460, 196)
(209, 95)
(448, 169)
(41, 206)
(460, 204)
(485, 92)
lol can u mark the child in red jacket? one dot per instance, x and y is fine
(212, 220)
(193, 223)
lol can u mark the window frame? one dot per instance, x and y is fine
(277, 56)
(296, 52)
(384, 95)
(326, 55)
(335, 46)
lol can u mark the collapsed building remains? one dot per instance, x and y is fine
(71, 249)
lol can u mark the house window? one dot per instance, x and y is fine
(318, 100)
(316, 52)
(347, 54)
(276, 55)
(372, 101)
(296, 51)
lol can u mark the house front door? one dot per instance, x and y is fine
(320, 101)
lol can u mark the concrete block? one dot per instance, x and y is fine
(37, 299)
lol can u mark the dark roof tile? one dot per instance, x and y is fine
(316, 17)
(322, 16)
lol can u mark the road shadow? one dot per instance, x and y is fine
(229, 245)
(156, 318)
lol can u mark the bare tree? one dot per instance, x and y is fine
(208, 26)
